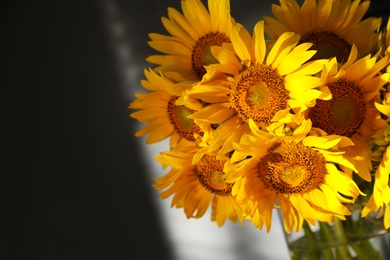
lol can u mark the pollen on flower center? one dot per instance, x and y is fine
(344, 113)
(258, 93)
(209, 171)
(258, 96)
(328, 45)
(292, 175)
(292, 168)
(201, 54)
(178, 116)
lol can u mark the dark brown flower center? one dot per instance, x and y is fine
(344, 113)
(201, 54)
(328, 45)
(184, 126)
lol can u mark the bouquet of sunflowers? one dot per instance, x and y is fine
(292, 114)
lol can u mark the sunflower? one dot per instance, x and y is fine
(271, 87)
(187, 49)
(195, 181)
(380, 198)
(159, 111)
(352, 111)
(299, 172)
(332, 26)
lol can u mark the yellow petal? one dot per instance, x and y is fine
(259, 42)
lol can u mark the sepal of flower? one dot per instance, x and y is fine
(301, 172)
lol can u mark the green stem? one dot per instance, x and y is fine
(344, 240)
(341, 251)
(296, 255)
(364, 248)
(368, 250)
(311, 241)
(360, 254)
(327, 235)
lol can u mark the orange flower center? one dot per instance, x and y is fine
(258, 93)
(210, 173)
(201, 54)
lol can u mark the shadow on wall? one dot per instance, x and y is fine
(73, 186)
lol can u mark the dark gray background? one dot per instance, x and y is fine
(73, 185)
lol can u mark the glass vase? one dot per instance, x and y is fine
(354, 238)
